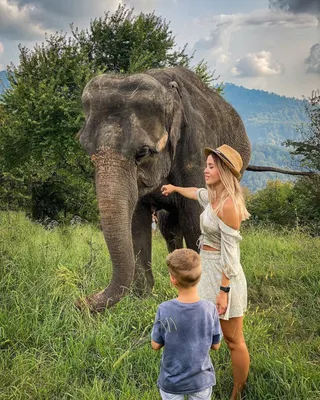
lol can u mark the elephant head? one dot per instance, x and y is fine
(132, 127)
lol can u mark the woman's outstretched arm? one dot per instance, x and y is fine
(189, 192)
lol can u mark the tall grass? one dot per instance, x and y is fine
(48, 350)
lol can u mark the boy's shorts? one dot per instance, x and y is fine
(203, 395)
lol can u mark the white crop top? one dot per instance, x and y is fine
(215, 233)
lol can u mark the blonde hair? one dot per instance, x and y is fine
(185, 266)
(231, 189)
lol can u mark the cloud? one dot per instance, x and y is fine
(313, 60)
(226, 25)
(16, 22)
(296, 6)
(69, 8)
(74, 9)
(1, 48)
(256, 64)
(224, 57)
(58, 14)
(51, 14)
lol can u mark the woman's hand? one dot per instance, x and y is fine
(222, 302)
(167, 189)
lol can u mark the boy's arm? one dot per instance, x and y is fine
(155, 345)
(157, 340)
(217, 332)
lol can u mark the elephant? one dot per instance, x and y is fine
(143, 131)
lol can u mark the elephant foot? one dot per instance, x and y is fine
(142, 292)
(99, 302)
(142, 286)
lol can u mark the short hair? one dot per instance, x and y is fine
(185, 266)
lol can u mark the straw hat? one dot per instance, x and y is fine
(229, 156)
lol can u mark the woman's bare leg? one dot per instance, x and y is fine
(233, 335)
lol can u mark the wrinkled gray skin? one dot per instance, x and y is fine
(143, 131)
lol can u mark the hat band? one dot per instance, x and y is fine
(224, 157)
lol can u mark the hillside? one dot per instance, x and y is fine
(269, 119)
(4, 83)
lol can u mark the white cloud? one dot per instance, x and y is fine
(226, 25)
(256, 64)
(313, 60)
(69, 8)
(224, 57)
(16, 22)
(1, 48)
(296, 6)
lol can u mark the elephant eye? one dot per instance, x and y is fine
(142, 153)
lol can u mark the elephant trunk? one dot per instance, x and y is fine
(117, 194)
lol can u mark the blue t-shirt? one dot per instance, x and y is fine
(187, 331)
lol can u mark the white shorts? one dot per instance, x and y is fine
(210, 281)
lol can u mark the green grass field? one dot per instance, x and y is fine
(48, 350)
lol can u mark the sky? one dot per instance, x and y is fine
(272, 45)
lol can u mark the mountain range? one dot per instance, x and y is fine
(269, 119)
(4, 83)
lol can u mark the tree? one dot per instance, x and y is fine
(274, 203)
(122, 42)
(307, 189)
(309, 146)
(42, 114)
(208, 77)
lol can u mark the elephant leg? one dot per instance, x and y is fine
(141, 234)
(189, 215)
(170, 229)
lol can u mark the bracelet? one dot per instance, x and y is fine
(225, 289)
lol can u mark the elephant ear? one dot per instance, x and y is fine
(176, 116)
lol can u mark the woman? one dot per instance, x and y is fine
(223, 281)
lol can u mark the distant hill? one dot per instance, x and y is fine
(4, 83)
(269, 119)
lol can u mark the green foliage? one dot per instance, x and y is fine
(307, 201)
(51, 351)
(274, 204)
(208, 77)
(122, 42)
(42, 113)
(293, 205)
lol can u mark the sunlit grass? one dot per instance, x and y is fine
(48, 350)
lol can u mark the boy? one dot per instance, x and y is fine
(188, 328)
